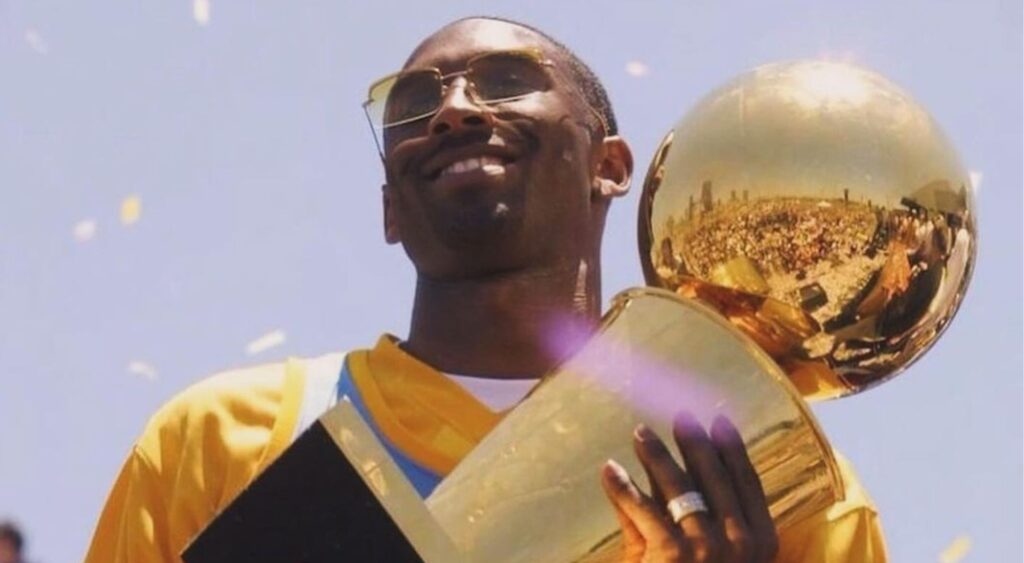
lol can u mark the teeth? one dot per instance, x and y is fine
(490, 164)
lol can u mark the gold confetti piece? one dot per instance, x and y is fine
(956, 550)
(201, 11)
(142, 369)
(131, 209)
(84, 230)
(36, 41)
(976, 177)
(637, 68)
(265, 342)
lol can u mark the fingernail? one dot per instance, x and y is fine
(644, 434)
(686, 424)
(724, 429)
(618, 472)
(685, 418)
(621, 477)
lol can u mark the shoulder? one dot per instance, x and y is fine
(856, 496)
(240, 409)
(855, 501)
(849, 530)
(196, 454)
(238, 395)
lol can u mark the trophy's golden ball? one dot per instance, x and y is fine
(820, 209)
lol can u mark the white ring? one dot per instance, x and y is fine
(685, 505)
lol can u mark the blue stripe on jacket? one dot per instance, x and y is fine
(422, 479)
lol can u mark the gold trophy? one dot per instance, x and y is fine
(806, 231)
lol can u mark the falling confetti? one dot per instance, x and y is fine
(956, 550)
(976, 178)
(637, 68)
(131, 209)
(201, 12)
(143, 370)
(265, 342)
(36, 41)
(84, 230)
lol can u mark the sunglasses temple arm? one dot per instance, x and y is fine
(373, 133)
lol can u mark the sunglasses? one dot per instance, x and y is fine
(491, 78)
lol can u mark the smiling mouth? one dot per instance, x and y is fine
(471, 161)
(490, 165)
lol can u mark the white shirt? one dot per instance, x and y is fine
(497, 394)
(322, 384)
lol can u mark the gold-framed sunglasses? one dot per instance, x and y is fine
(491, 78)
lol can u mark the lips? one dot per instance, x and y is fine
(490, 159)
(490, 165)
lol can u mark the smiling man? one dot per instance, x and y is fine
(501, 158)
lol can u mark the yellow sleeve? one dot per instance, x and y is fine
(846, 532)
(195, 455)
(131, 527)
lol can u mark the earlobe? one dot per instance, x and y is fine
(607, 189)
(391, 231)
(615, 170)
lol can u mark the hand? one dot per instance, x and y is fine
(736, 527)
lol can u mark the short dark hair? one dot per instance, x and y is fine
(588, 83)
(11, 533)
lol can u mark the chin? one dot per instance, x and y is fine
(481, 232)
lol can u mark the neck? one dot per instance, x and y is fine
(498, 326)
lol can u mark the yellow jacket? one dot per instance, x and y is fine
(205, 445)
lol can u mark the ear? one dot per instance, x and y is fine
(392, 234)
(614, 170)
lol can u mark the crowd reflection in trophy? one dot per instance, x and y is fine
(858, 277)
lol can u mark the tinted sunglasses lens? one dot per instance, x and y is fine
(377, 101)
(406, 97)
(503, 76)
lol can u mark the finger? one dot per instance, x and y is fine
(643, 516)
(748, 487)
(657, 494)
(707, 470)
(669, 478)
(633, 542)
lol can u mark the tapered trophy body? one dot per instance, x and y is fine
(530, 491)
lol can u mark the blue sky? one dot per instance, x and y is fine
(259, 189)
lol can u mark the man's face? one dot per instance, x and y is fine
(480, 189)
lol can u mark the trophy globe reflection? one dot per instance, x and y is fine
(806, 232)
(823, 212)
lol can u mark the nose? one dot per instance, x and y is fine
(458, 110)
